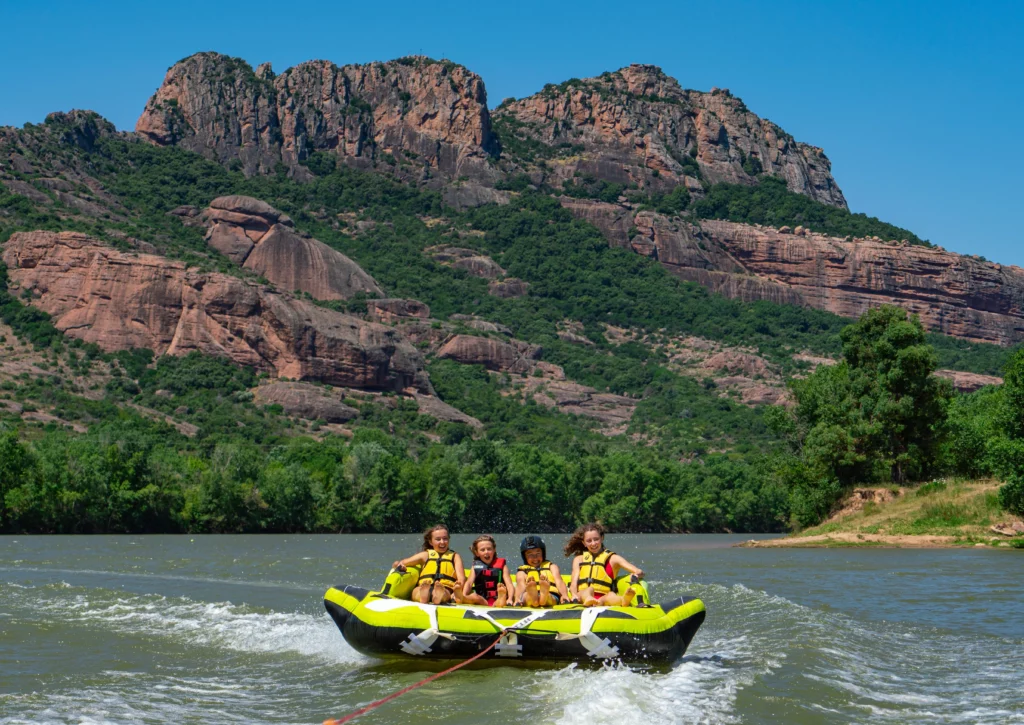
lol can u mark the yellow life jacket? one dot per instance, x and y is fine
(594, 572)
(439, 569)
(535, 572)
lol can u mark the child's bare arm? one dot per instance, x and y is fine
(414, 560)
(559, 582)
(574, 584)
(460, 572)
(619, 562)
(468, 586)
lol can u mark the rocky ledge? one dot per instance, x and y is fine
(955, 294)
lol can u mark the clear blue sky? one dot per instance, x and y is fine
(917, 104)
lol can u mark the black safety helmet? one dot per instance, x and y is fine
(533, 542)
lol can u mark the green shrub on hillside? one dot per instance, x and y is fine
(770, 202)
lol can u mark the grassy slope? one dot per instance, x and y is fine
(941, 513)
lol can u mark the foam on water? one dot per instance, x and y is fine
(221, 624)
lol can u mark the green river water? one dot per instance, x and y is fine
(225, 629)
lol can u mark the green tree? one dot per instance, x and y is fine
(891, 367)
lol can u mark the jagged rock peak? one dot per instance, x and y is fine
(637, 125)
(415, 116)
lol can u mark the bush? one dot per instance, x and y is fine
(1011, 495)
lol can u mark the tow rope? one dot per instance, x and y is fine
(410, 688)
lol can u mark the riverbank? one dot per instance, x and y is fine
(942, 513)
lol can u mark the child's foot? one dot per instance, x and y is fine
(531, 593)
(627, 598)
(545, 593)
(589, 602)
(458, 597)
(502, 599)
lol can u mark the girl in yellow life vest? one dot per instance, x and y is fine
(538, 581)
(594, 569)
(441, 574)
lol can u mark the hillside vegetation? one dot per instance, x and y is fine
(94, 442)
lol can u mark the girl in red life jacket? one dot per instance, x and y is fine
(489, 579)
(594, 569)
(441, 574)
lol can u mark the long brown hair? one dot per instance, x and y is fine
(427, 546)
(484, 537)
(574, 544)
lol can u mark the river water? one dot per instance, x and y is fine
(223, 629)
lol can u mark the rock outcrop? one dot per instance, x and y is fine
(470, 261)
(613, 411)
(965, 382)
(394, 309)
(637, 125)
(955, 294)
(414, 116)
(255, 235)
(306, 401)
(512, 356)
(508, 287)
(439, 410)
(120, 301)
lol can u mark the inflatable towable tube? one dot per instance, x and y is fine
(386, 624)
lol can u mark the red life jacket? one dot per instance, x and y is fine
(487, 578)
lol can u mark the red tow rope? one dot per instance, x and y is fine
(410, 688)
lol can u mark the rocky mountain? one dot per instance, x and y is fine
(639, 126)
(231, 275)
(419, 116)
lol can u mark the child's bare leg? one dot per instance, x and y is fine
(586, 596)
(502, 599)
(441, 595)
(612, 599)
(472, 598)
(521, 580)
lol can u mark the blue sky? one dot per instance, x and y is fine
(917, 104)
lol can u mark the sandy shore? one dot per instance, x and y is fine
(851, 539)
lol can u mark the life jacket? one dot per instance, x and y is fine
(487, 578)
(597, 572)
(439, 569)
(535, 572)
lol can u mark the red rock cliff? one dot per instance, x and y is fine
(954, 294)
(638, 125)
(119, 301)
(429, 116)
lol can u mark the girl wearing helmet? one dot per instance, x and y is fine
(538, 581)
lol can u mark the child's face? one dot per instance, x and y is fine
(593, 541)
(485, 552)
(439, 540)
(533, 556)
